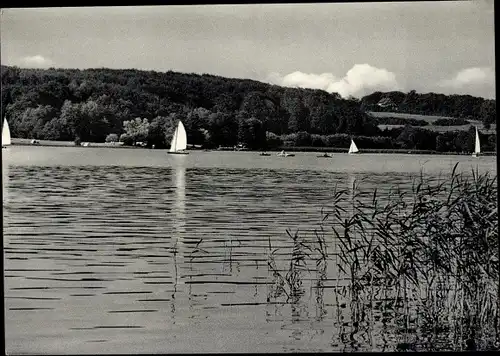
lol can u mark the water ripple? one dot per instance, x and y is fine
(166, 254)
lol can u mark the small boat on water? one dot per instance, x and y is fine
(477, 147)
(353, 148)
(284, 154)
(326, 155)
(178, 144)
(5, 134)
(264, 154)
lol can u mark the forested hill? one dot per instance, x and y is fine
(88, 105)
(458, 106)
(60, 104)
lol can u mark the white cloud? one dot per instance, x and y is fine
(470, 76)
(37, 61)
(476, 81)
(360, 80)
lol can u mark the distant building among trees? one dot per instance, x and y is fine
(387, 103)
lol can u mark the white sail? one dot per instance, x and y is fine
(179, 140)
(477, 149)
(174, 140)
(5, 133)
(181, 143)
(353, 148)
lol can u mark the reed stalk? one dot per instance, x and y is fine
(426, 259)
(444, 241)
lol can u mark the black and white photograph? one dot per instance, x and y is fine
(250, 178)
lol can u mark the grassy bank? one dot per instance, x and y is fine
(418, 269)
(441, 129)
(431, 119)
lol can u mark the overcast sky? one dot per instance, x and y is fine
(349, 48)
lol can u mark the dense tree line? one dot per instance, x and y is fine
(450, 122)
(391, 120)
(132, 106)
(407, 138)
(459, 106)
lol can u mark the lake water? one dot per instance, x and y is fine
(136, 251)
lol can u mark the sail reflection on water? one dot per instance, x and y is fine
(5, 178)
(178, 213)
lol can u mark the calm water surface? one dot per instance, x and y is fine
(102, 248)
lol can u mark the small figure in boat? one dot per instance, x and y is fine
(325, 155)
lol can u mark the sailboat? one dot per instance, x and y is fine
(353, 148)
(5, 134)
(477, 148)
(325, 155)
(178, 144)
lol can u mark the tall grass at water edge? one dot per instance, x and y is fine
(416, 269)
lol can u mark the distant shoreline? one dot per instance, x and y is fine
(47, 143)
(380, 150)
